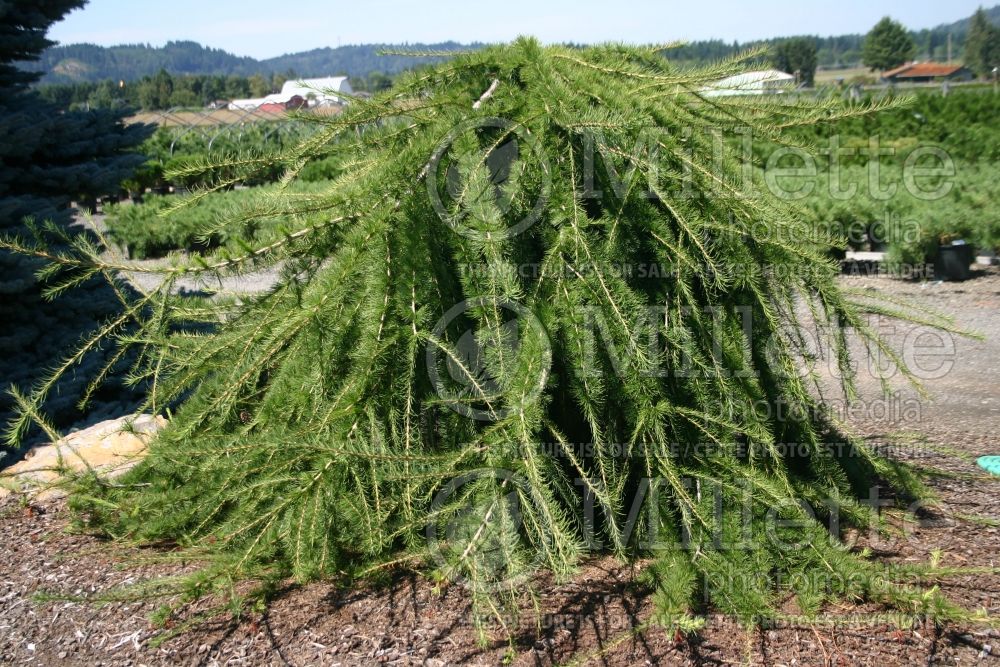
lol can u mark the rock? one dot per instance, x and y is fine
(111, 448)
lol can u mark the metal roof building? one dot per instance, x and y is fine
(927, 73)
(319, 92)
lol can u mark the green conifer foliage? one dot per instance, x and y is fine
(457, 370)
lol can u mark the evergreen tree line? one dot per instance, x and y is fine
(975, 40)
(889, 45)
(164, 90)
(131, 62)
(72, 62)
(844, 51)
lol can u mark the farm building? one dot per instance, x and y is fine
(317, 92)
(296, 102)
(927, 73)
(751, 83)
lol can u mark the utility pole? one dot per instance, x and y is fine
(949, 48)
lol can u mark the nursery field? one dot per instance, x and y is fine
(602, 615)
(951, 143)
(825, 76)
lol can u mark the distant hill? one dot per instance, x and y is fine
(961, 27)
(89, 62)
(932, 43)
(358, 60)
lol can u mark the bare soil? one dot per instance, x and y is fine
(601, 617)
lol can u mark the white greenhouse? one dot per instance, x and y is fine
(318, 93)
(751, 83)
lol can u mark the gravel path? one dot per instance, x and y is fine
(248, 283)
(968, 394)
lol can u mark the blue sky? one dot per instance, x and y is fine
(265, 28)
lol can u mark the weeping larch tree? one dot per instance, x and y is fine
(455, 372)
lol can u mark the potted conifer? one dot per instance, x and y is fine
(955, 258)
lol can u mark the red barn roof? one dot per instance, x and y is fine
(272, 107)
(922, 70)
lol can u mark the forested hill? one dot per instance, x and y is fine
(359, 60)
(88, 62)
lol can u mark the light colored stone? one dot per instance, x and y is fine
(110, 448)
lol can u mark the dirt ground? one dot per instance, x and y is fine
(601, 616)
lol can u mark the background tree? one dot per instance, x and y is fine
(797, 56)
(155, 92)
(259, 86)
(278, 79)
(48, 157)
(187, 92)
(108, 95)
(377, 82)
(982, 46)
(237, 87)
(888, 45)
